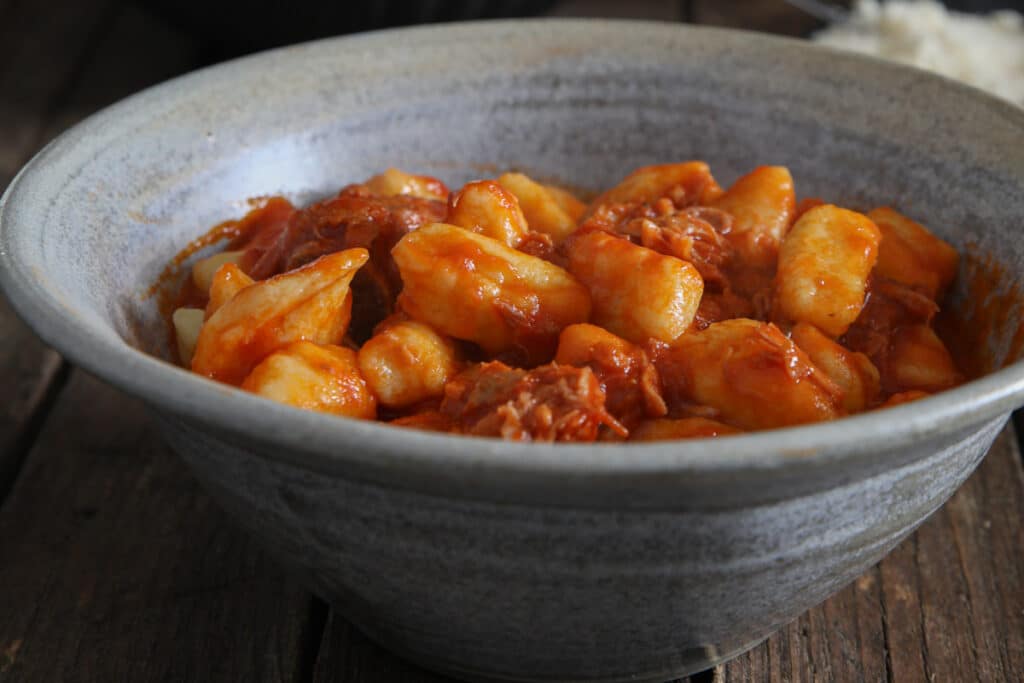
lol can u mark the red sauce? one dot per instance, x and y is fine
(748, 375)
(992, 309)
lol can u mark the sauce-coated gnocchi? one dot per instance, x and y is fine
(666, 308)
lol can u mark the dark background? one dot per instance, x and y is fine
(235, 27)
(227, 28)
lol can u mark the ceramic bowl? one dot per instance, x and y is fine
(515, 562)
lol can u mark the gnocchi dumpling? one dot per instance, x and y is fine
(666, 429)
(685, 183)
(486, 207)
(204, 270)
(911, 255)
(187, 323)
(393, 182)
(228, 281)
(638, 293)
(473, 287)
(852, 372)
(762, 205)
(406, 362)
(751, 374)
(567, 201)
(315, 377)
(824, 266)
(310, 303)
(918, 360)
(542, 210)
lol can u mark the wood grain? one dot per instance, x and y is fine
(347, 656)
(946, 605)
(773, 16)
(93, 54)
(40, 51)
(27, 370)
(117, 567)
(43, 47)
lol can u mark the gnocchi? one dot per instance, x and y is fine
(824, 266)
(750, 374)
(666, 308)
(310, 303)
(541, 206)
(225, 283)
(637, 293)
(406, 362)
(911, 255)
(475, 288)
(315, 377)
(762, 204)
(487, 208)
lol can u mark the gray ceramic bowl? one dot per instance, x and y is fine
(492, 560)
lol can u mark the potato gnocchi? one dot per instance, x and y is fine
(668, 307)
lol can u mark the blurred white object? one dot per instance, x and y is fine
(985, 51)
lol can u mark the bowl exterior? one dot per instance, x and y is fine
(486, 591)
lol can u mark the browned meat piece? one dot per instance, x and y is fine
(264, 237)
(614, 217)
(687, 235)
(542, 246)
(429, 420)
(549, 403)
(354, 218)
(890, 305)
(715, 307)
(695, 234)
(630, 381)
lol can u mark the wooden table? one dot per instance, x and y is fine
(116, 566)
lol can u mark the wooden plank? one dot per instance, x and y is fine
(135, 51)
(772, 16)
(41, 50)
(28, 369)
(60, 82)
(901, 600)
(990, 524)
(946, 605)
(347, 656)
(117, 567)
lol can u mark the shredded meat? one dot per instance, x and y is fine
(614, 217)
(264, 237)
(695, 233)
(430, 420)
(354, 218)
(685, 235)
(542, 246)
(715, 307)
(630, 382)
(889, 305)
(549, 403)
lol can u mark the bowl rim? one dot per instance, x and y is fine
(476, 467)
